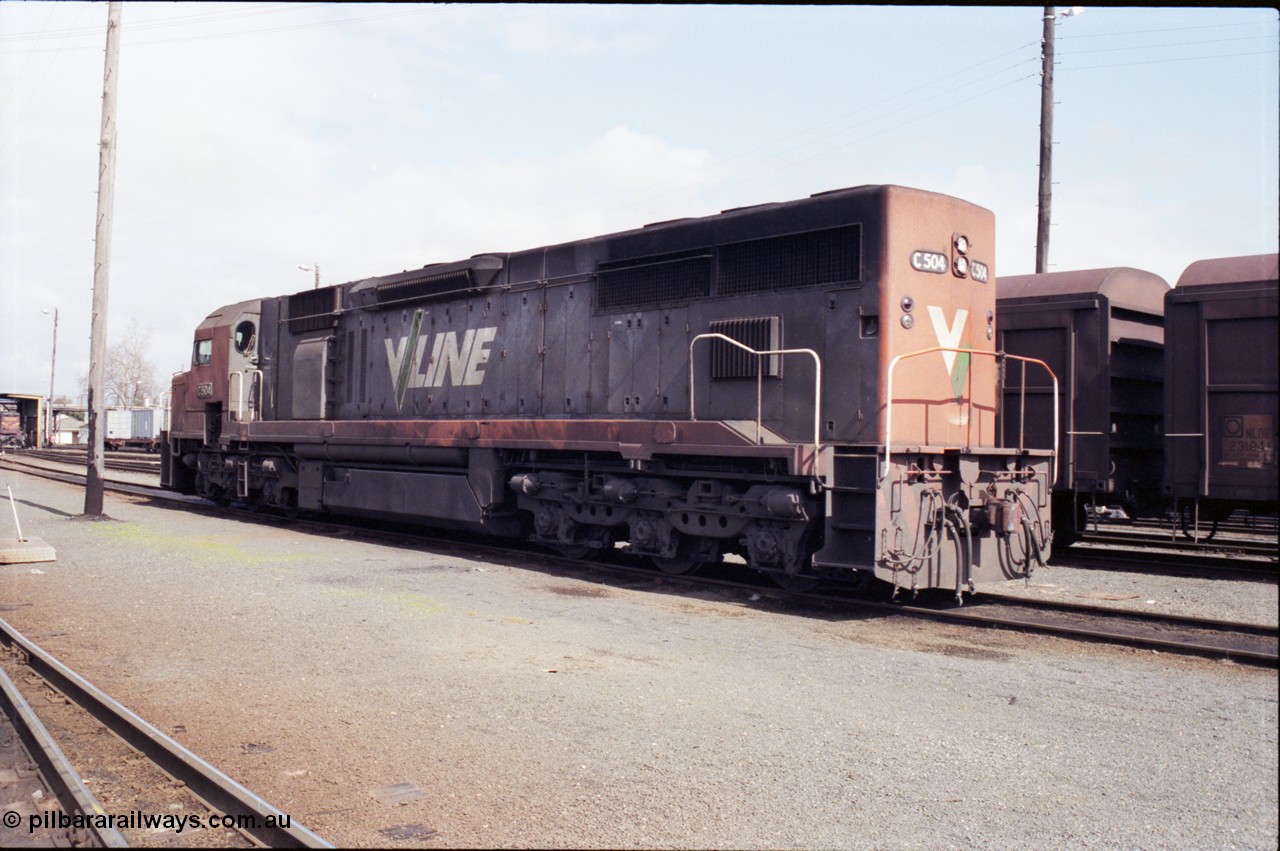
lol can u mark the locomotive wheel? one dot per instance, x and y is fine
(796, 583)
(676, 566)
(577, 551)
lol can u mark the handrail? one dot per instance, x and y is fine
(888, 413)
(817, 390)
(240, 397)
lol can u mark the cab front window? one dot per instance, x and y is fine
(203, 354)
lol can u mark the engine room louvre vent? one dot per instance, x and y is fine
(427, 286)
(650, 281)
(807, 259)
(761, 333)
(313, 310)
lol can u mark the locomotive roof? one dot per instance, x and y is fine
(1124, 287)
(488, 263)
(224, 313)
(1249, 269)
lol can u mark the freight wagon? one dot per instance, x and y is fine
(1221, 363)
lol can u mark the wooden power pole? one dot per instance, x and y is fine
(1046, 142)
(96, 475)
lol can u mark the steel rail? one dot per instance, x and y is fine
(1263, 649)
(139, 464)
(218, 791)
(1219, 546)
(59, 777)
(1169, 563)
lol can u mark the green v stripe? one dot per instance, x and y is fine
(959, 373)
(407, 360)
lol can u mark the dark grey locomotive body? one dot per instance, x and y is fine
(599, 328)
(693, 387)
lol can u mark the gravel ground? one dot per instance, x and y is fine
(406, 697)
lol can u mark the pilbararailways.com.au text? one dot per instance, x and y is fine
(138, 820)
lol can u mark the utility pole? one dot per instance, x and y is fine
(1046, 141)
(51, 424)
(95, 477)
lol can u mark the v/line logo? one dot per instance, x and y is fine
(949, 337)
(452, 361)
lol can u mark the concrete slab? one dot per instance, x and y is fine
(27, 551)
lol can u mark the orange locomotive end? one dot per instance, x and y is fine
(951, 507)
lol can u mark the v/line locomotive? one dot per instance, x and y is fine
(810, 386)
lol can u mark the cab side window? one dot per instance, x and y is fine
(244, 339)
(203, 354)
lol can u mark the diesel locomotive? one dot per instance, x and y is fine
(811, 387)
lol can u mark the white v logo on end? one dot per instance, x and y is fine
(948, 337)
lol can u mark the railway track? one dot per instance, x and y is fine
(36, 770)
(1251, 643)
(1183, 635)
(1167, 560)
(125, 462)
(1225, 545)
(79, 819)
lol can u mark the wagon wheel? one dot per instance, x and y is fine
(1187, 522)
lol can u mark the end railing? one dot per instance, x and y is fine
(1022, 413)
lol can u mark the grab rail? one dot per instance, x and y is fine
(240, 396)
(888, 413)
(817, 390)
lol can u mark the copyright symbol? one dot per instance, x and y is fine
(12, 819)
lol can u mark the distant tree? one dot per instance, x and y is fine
(129, 376)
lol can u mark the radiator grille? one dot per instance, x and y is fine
(313, 310)
(426, 286)
(653, 280)
(813, 258)
(761, 333)
(796, 260)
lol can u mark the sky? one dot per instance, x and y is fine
(371, 138)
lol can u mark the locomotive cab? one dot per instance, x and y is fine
(222, 386)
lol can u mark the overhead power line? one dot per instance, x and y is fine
(1175, 59)
(1174, 44)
